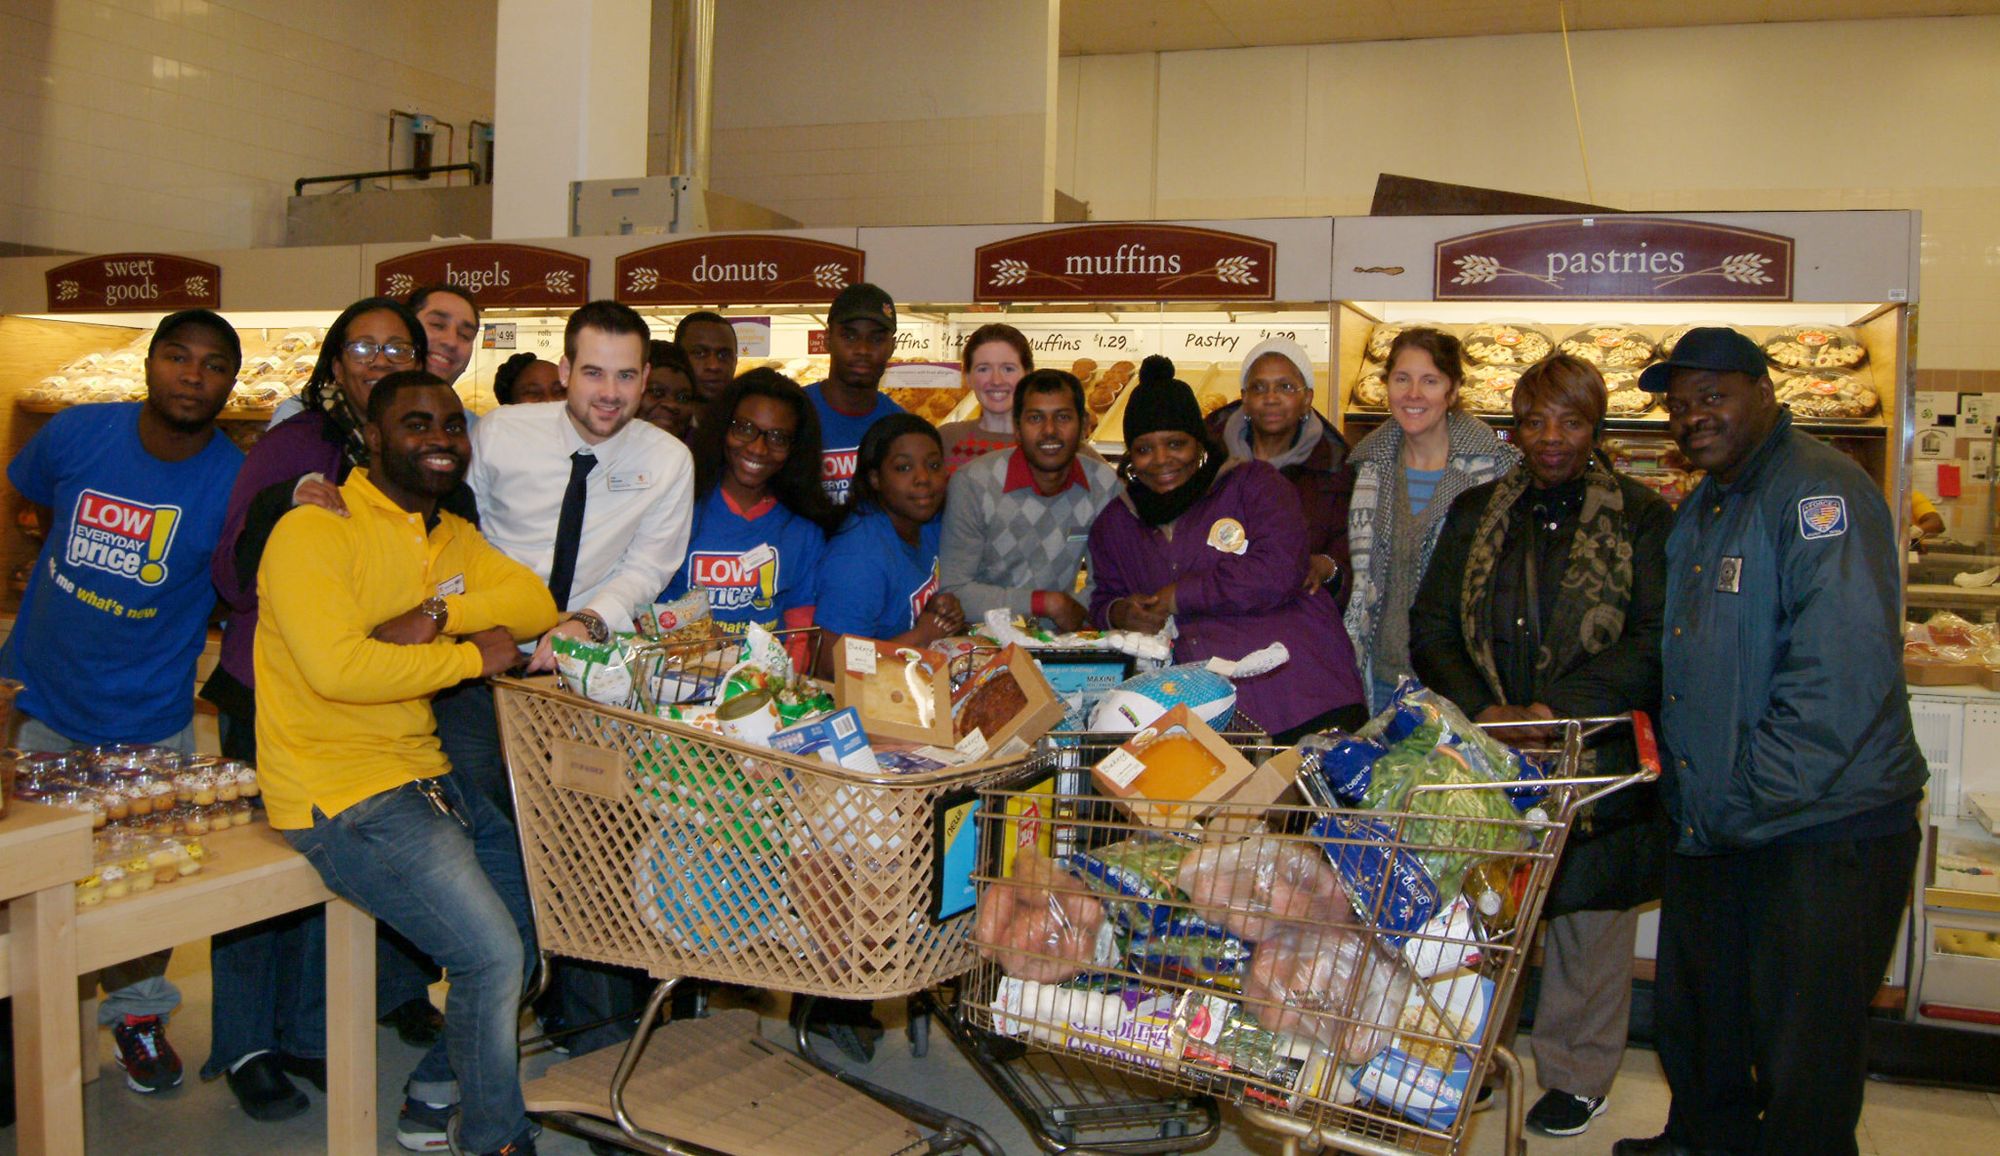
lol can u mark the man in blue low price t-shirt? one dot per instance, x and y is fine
(860, 336)
(116, 612)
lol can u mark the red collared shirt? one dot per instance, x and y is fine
(1019, 476)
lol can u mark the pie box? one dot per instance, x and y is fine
(1942, 673)
(872, 677)
(1238, 783)
(1044, 708)
(1989, 677)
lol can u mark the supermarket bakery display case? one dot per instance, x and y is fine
(75, 329)
(1096, 299)
(1829, 297)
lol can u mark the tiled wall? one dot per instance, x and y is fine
(181, 124)
(886, 112)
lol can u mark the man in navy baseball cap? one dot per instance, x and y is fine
(1716, 348)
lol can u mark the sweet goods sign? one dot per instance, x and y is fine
(1126, 263)
(740, 269)
(1615, 258)
(134, 282)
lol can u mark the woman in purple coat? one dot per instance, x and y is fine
(1219, 546)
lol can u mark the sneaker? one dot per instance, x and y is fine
(262, 1089)
(422, 1127)
(1561, 1114)
(140, 1046)
(417, 1023)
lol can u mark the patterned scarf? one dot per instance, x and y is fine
(1596, 588)
(328, 398)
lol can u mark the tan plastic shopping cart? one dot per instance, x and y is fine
(654, 845)
(1284, 958)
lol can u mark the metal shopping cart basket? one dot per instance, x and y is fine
(1303, 962)
(655, 845)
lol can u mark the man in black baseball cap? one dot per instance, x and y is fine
(1795, 776)
(860, 336)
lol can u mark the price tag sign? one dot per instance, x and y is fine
(860, 655)
(972, 746)
(1121, 767)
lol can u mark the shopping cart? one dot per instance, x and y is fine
(1342, 1008)
(655, 845)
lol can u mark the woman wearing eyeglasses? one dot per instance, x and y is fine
(267, 974)
(761, 516)
(1275, 423)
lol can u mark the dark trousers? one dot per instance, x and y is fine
(1768, 960)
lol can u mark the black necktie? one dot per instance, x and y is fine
(569, 528)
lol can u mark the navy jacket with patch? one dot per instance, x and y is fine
(1785, 708)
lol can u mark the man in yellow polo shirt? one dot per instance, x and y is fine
(366, 614)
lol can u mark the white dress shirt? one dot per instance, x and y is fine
(638, 505)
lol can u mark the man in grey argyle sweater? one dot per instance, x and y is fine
(1016, 521)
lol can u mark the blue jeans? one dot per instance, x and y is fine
(469, 731)
(457, 890)
(269, 977)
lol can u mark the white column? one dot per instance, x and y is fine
(569, 104)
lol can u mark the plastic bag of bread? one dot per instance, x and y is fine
(1329, 985)
(1041, 925)
(1256, 887)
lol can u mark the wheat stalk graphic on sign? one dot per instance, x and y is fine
(558, 281)
(1008, 271)
(400, 284)
(1474, 269)
(66, 290)
(830, 276)
(1228, 270)
(196, 286)
(1741, 269)
(643, 279)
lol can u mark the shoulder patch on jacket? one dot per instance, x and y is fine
(1822, 517)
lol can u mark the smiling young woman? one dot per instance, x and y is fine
(1407, 474)
(997, 357)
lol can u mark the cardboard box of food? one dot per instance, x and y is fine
(1942, 673)
(1989, 677)
(1040, 707)
(1121, 773)
(901, 692)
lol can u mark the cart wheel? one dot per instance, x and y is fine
(918, 1029)
(1063, 1134)
(1174, 1128)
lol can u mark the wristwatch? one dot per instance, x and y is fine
(434, 609)
(594, 624)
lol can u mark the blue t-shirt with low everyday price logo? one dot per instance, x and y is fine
(117, 607)
(755, 569)
(840, 439)
(872, 583)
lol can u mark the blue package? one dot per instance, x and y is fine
(1386, 883)
(1345, 763)
(1400, 1076)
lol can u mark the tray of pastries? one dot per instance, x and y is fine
(1815, 347)
(1828, 393)
(1673, 336)
(1505, 343)
(1624, 397)
(1384, 335)
(1490, 388)
(1609, 346)
(1371, 389)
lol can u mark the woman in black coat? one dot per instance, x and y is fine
(1544, 600)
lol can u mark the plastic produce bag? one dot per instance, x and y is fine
(1256, 887)
(1037, 931)
(1334, 986)
(1139, 879)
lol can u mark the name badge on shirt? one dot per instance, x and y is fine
(622, 482)
(758, 556)
(452, 585)
(1729, 576)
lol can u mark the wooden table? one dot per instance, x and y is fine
(251, 874)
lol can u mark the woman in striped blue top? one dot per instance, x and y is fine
(1407, 473)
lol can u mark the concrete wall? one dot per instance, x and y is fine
(181, 124)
